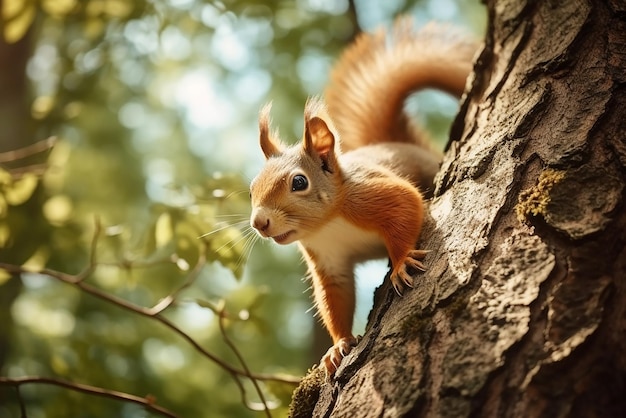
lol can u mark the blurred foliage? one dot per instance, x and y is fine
(153, 106)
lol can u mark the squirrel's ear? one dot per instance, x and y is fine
(320, 141)
(269, 146)
(318, 128)
(318, 137)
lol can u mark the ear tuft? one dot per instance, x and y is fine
(315, 106)
(269, 145)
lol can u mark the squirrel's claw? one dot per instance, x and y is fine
(415, 257)
(332, 359)
(397, 287)
(416, 264)
(400, 277)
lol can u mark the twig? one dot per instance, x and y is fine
(233, 347)
(97, 229)
(22, 403)
(36, 169)
(155, 313)
(28, 150)
(167, 301)
(163, 303)
(147, 312)
(146, 402)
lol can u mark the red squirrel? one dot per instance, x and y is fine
(349, 192)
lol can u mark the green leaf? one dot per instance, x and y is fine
(163, 231)
(4, 276)
(5, 232)
(215, 307)
(3, 206)
(17, 16)
(5, 177)
(58, 8)
(58, 209)
(21, 190)
(37, 261)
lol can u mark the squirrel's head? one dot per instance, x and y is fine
(297, 189)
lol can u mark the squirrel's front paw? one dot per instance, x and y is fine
(400, 277)
(334, 355)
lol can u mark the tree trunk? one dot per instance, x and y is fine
(522, 312)
(15, 132)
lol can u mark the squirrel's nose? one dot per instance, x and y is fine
(261, 223)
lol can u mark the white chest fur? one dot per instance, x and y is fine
(339, 245)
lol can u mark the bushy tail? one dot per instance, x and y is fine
(375, 74)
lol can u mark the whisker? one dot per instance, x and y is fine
(302, 221)
(232, 242)
(252, 239)
(236, 193)
(221, 197)
(233, 215)
(235, 224)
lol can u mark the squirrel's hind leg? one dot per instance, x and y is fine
(332, 359)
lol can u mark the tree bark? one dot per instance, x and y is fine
(15, 132)
(522, 312)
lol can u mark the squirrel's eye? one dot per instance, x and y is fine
(299, 183)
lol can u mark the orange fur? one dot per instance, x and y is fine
(346, 207)
(335, 299)
(379, 70)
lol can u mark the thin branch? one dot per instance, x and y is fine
(93, 261)
(28, 150)
(167, 301)
(97, 229)
(155, 313)
(78, 282)
(146, 402)
(163, 303)
(22, 403)
(234, 349)
(36, 169)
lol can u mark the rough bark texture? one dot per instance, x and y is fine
(522, 311)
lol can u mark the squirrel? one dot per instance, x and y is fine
(350, 191)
